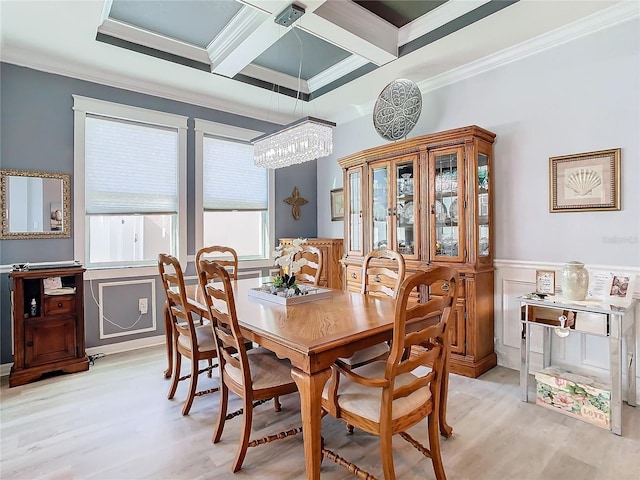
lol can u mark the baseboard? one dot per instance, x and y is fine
(127, 346)
(110, 349)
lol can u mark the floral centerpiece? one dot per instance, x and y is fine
(285, 283)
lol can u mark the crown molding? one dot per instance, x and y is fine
(617, 14)
(276, 78)
(234, 34)
(337, 71)
(57, 67)
(610, 17)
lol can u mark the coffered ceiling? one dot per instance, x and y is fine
(236, 56)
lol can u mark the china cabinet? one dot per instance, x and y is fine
(48, 325)
(430, 198)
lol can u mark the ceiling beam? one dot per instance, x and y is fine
(354, 29)
(140, 36)
(231, 52)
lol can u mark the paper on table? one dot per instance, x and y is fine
(52, 283)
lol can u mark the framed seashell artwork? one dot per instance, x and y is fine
(585, 181)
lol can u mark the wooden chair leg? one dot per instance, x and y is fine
(386, 455)
(193, 384)
(349, 429)
(434, 448)
(210, 367)
(176, 374)
(276, 404)
(168, 333)
(222, 413)
(445, 429)
(247, 418)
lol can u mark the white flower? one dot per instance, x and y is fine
(284, 255)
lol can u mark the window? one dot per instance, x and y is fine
(128, 179)
(235, 194)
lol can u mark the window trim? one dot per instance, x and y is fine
(85, 105)
(229, 132)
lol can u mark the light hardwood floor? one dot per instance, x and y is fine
(114, 422)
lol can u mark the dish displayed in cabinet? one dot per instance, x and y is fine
(453, 211)
(441, 212)
(379, 213)
(405, 211)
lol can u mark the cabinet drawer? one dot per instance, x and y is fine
(354, 278)
(436, 288)
(59, 304)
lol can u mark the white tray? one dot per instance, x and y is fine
(318, 294)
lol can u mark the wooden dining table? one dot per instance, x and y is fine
(312, 335)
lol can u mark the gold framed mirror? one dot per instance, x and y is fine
(35, 204)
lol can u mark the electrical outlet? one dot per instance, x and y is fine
(143, 307)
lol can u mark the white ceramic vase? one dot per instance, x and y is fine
(574, 281)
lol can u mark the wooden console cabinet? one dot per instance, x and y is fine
(48, 330)
(331, 248)
(430, 198)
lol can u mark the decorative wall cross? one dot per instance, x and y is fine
(295, 200)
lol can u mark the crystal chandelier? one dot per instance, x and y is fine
(301, 141)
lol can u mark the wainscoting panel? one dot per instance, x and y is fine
(583, 353)
(118, 310)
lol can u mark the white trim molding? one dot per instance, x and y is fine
(85, 105)
(126, 331)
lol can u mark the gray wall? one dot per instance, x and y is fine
(36, 123)
(578, 97)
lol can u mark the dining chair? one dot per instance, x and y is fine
(191, 340)
(385, 398)
(309, 272)
(256, 376)
(220, 254)
(378, 280)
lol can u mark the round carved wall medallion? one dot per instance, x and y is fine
(397, 109)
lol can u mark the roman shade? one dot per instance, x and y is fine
(130, 167)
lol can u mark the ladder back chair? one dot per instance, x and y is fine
(309, 272)
(256, 375)
(379, 280)
(192, 341)
(385, 398)
(220, 254)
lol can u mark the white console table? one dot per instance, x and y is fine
(619, 323)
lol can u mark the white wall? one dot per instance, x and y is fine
(578, 97)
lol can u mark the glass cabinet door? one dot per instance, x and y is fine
(354, 187)
(447, 204)
(380, 210)
(483, 205)
(406, 208)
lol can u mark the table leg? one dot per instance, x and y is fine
(524, 356)
(546, 347)
(310, 388)
(168, 330)
(615, 347)
(632, 362)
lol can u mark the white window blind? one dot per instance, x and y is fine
(231, 180)
(130, 167)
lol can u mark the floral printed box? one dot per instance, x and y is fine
(575, 395)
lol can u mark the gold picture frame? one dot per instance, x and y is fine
(585, 181)
(337, 204)
(546, 282)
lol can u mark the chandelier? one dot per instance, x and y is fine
(301, 141)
